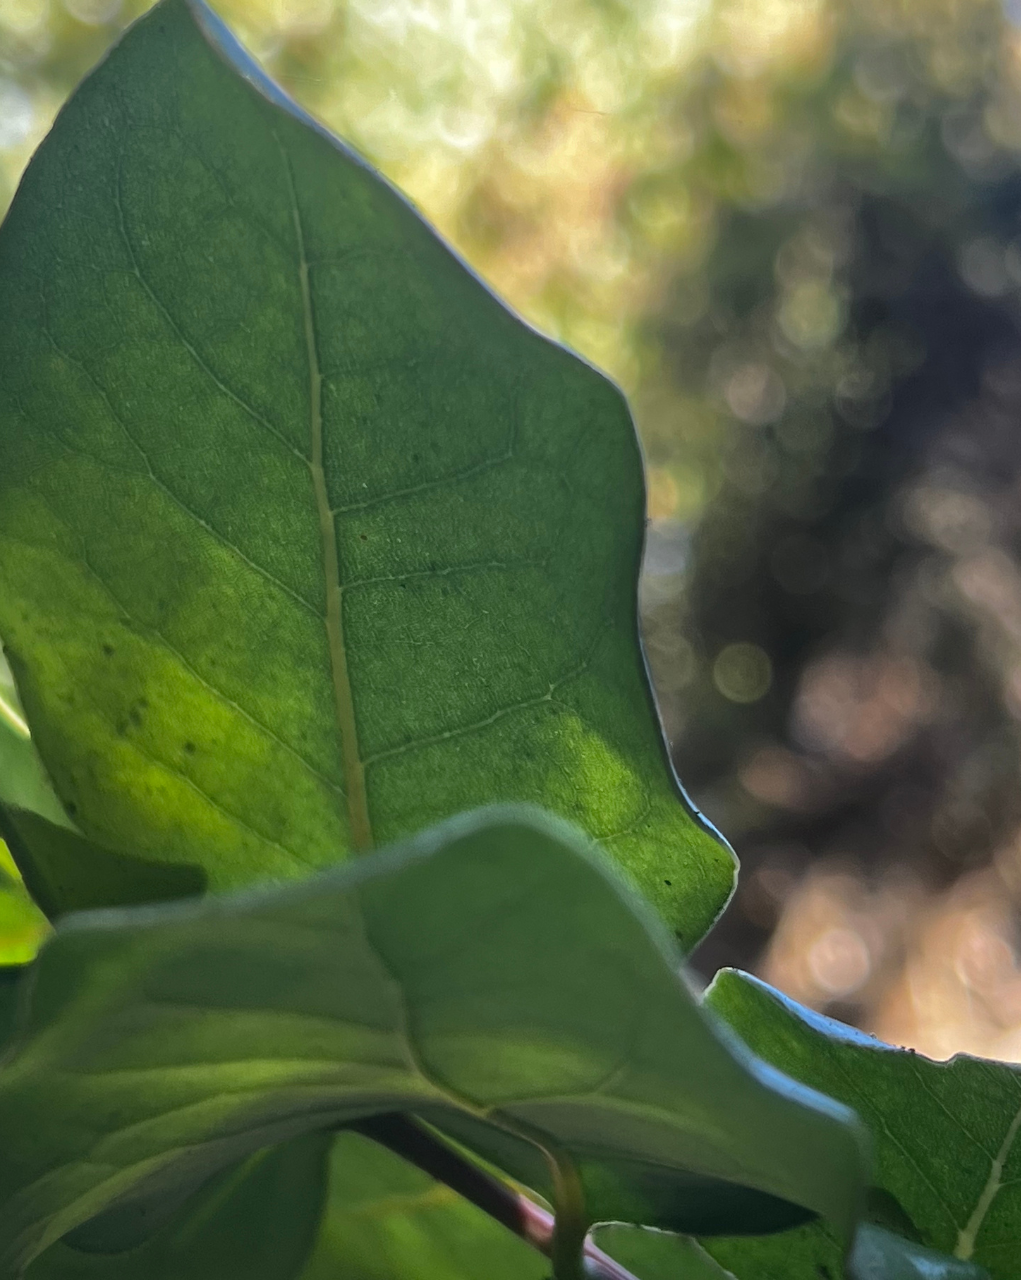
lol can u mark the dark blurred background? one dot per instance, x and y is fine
(791, 229)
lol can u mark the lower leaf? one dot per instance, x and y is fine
(658, 1255)
(493, 977)
(947, 1135)
(257, 1221)
(808, 1253)
(387, 1220)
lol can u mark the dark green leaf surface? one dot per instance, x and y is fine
(306, 542)
(386, 1220)
(254, 1222)
(491, 970)
(948, 1157)
(10, 975)
(63, 867)
(806, 1253)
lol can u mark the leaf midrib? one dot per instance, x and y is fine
(354, 767)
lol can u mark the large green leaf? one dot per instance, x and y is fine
(306, 542)
(492, 970)
(387, 1220)
(948, 1162)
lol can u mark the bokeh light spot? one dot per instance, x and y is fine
(839, 961)
(16, 115)
(93, 13)
(742, 672)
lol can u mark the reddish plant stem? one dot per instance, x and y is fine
(407, 1138)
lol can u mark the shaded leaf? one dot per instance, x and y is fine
(23, 780)
(10, 976)
(810, 1252)
(944, 1133)
(492, 969)
(64, 867)
(807, 1253)
(658, 1255)
(368, 546)
(387, 1220)
(257, 1221)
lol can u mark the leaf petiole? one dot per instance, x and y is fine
(418, 1145)
(570, 1225)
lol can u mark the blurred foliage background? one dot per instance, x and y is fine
(791, 229)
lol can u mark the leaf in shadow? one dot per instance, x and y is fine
(257, 1221)
(493, 971)
(387, 1220)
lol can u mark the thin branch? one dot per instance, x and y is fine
(533, 1224)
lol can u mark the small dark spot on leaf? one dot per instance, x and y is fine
(108, 650)
(190, 748)
(668, 883)
(364, 537)
(71, 808)
(823, 1271)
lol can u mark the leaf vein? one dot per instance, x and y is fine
(162, 485)
(441, 482)
(460, 731)
(482, 566)
(157, 635)
(189, 346)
